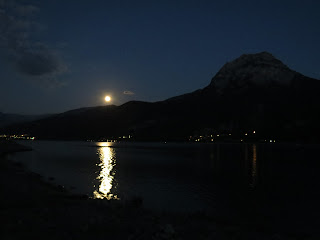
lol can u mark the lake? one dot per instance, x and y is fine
(271, 180)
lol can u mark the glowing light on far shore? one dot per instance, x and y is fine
(107, 98)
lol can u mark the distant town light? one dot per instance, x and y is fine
(254, 131)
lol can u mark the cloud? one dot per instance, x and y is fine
(38, 61)
(26, 10)
(29, 56)
(128, 93)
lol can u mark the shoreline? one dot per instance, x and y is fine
(32, 207)
(9, 146)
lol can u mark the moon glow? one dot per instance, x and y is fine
(107, 98)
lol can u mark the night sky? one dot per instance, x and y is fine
(63, 54)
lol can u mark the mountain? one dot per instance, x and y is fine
(9, 119)
(255, 92)
(259, 69)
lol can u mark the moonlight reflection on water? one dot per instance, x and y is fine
(106, 176)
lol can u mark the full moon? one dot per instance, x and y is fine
(107, 98)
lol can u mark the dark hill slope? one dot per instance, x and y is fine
(254, 92)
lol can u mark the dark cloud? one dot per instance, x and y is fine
(38, 61)
(128, 93)
(26, 10)
(29, 56)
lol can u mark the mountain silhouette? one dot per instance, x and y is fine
(9, 119)
(255, 92)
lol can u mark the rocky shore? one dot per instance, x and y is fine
(8, 146)
(31, 207)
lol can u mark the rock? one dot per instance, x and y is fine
(135, 201)
(168, 229)
(85, 228)
(92, 220)
(166, 232)
(78, 196)
(276, 237)
(61, 188)
(231, 229)
(212, 227)
(36, 175)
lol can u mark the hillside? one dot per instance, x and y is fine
(255, 92)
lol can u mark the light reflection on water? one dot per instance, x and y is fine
(107, 158)
(254, 165)
(186, 177)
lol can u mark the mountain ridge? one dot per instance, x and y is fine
(254, 91)
(12, 118)
(260, 68)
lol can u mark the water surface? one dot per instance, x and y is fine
(228, 179)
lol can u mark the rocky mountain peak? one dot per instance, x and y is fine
(260, 69)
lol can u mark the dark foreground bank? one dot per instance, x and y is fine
(31, 207)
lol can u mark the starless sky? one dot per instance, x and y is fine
(65, 54)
